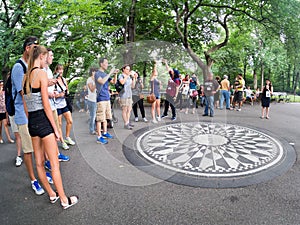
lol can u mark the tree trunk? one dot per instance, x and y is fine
(244, 72)
(254, 79)
(129, 36)
(262, 76)
(288, 79)
(296, 83)
(131, 23)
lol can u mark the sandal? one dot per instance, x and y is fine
(54, 199)
(70, 202)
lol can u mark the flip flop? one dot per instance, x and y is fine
(54, 199)
(70, 203)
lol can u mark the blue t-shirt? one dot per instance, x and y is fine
(193, 84)
(17, 75)
(102, 89)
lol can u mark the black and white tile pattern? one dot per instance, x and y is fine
(210, 149)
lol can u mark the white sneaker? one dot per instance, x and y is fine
(65, 146)
(145, 119)
(154, 121)
(69, 141)
(158, 118)
(19, 161)
(136, 119)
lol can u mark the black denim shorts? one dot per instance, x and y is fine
(39, 124)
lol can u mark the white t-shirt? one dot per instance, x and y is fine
(248, 93)
(50, 88)
(92, 96)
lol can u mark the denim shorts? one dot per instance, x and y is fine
(39, 124)
(62, 110)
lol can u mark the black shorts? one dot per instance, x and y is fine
(265, 102)
(2, 116)
(39, 124)
(238, 96)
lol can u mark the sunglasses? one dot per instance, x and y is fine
(36, 42)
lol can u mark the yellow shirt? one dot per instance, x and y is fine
(242, 85)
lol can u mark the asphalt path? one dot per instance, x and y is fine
(112, 191)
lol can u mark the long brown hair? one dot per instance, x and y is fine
(34, 53)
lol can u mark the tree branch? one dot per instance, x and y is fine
(18, 15)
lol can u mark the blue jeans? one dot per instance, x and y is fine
(225, 95)
(210, 105)
(92, 106)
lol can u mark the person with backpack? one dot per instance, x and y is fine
(3, 115)
(126, 95)
(171, 91)
(10, 109)
(20, 118)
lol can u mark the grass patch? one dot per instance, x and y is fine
(294, 98)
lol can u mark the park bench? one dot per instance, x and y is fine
(278, 97)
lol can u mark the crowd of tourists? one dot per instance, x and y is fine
(32, 103)
(40, 102)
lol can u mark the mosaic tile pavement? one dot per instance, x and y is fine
(221, 152)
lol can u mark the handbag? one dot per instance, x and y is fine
(151, 97)
(194, 93)
(69, 104)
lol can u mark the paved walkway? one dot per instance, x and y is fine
(114, 191)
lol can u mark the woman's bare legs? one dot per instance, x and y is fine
(157, 102)
(40, 160)
(153, 106)
(69, 121)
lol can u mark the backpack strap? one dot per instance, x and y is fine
(22, 64)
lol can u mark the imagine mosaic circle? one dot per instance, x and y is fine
(210, 149)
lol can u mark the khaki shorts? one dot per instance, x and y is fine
(103, 111)
(125, 102)
(25, 138)
(13, 125)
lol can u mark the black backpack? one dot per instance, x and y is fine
(119, 87)
(9, 96)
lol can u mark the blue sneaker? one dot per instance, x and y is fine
(47, 165)
(173, 118)
(37, 187)
(49, 178)
(107, 135)
(101, 140)
(63, 158)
